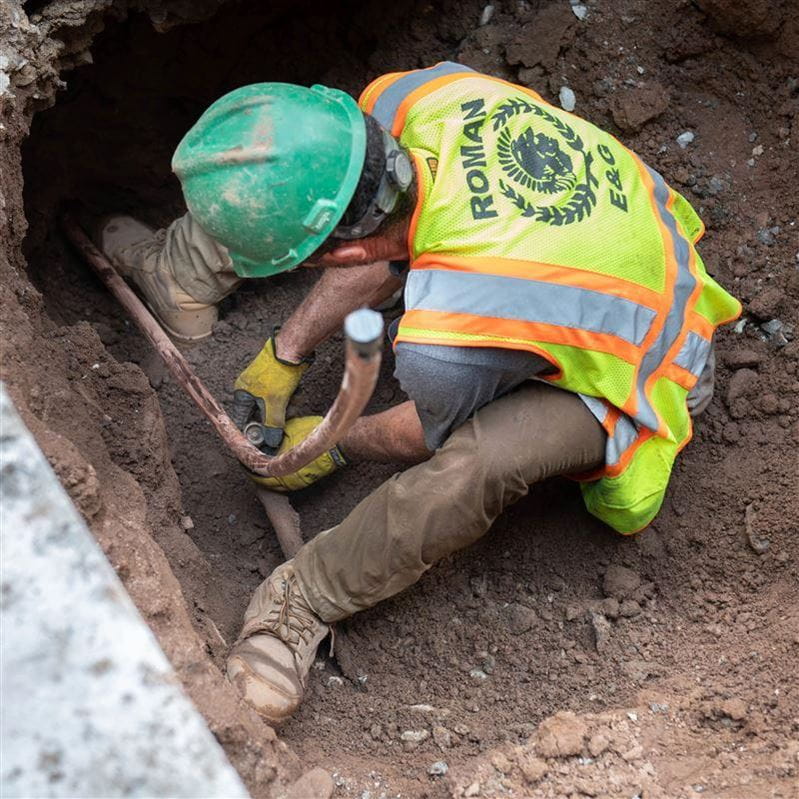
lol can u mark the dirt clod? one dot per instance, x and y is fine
(633, 108)
(620, 582)
(561, 735)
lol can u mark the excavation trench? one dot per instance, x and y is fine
(105, 147)
(491, 641)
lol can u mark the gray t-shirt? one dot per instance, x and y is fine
(448, 384)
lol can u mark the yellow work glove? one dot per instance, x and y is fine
(298, 429)
(266, 386)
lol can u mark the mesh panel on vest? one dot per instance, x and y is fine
(516, 178)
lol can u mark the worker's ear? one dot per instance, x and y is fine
(348, 254)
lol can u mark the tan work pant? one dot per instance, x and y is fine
(198, 263)
(446, 503)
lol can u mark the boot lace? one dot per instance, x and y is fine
(289, 617)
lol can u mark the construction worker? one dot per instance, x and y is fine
(558, 319)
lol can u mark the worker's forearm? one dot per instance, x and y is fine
(337, 292)
(394, 435)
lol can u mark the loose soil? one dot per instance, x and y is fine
(675, 649)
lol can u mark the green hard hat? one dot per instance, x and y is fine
(269, 169)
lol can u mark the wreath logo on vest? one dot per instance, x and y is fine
(536, 161)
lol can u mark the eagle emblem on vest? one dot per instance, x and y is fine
(535, 161)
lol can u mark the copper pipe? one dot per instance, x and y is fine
(363, 330)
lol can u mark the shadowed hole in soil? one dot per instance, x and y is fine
(481, 639)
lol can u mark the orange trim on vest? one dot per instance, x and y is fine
(418, 165)
(701, 326)
(700, 233)
(617, 468)
(522, 331)
(371, 94)
(444, 341)
(423, 91)
(544, 272)
(682, 377)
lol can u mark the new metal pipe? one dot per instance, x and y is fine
(363, 329)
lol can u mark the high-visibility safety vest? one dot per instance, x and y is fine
(535, 230)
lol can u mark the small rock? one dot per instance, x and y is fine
(716, 185)
(501, 763)
(731, 434)
(734, 709)
(376, 732)
(743, 383)
(639, 670)
(757, 150)
(743, 359)
(442, 737)
(629, 608)
(567, 98)
(472, 790)
(533, 768)
(580, 11)
(769, 404)
(610, 607)
(438, 769)
(414, 736)
(620, 582)
(231, 520)
(765, 236)
(767, 304)
(316, 782)
(601, 627)
(478, 674)
(488, 13)
(597, 744)
(633, 108)
(521, 618)
(633, 754)
(561, 735)
(774, 330)
(685, 138)
(187, 523)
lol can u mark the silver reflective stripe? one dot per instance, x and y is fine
(504, 297)
(385, 108)
(693, 354)
(624, 435)
(625, 432)
(675, 320)
(596, 406)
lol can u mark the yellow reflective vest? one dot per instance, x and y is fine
(535, 230)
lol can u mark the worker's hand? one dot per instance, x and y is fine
(298, 429)
(266, 385)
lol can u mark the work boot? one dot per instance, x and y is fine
(135, 249)
(269, 664)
